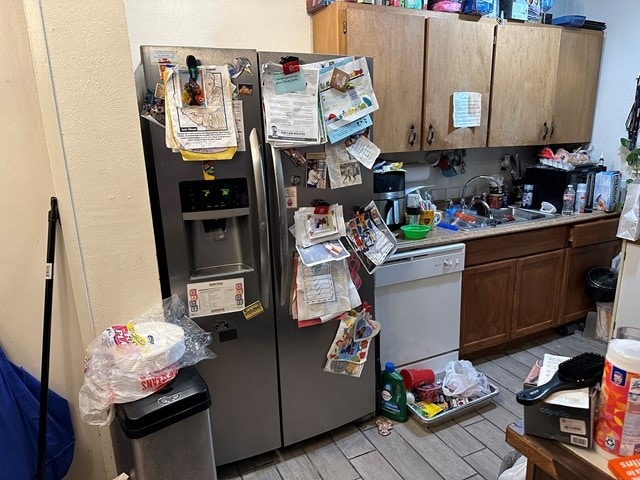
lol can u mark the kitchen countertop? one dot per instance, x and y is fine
(442, 236)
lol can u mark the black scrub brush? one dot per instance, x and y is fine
(583, 370)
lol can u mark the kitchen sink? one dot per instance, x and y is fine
(516, 214)
(468, 220)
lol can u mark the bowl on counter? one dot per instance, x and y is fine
(415, 232)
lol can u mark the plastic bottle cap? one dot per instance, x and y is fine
(389, 367)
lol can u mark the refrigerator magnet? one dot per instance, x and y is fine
(208, 170)
(253, 310)
(291, 197)
(339, 80)
(245, 89)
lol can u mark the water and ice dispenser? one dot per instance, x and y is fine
(217, 227)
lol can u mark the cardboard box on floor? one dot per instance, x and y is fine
(567, 416)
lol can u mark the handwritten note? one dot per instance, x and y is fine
(467, 109)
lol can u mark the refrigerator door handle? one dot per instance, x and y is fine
(285, 273)
(263, 224)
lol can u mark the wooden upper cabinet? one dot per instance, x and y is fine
(395, 39)
(576, 85)
(458, 59)
(524, 80)
(396, 43)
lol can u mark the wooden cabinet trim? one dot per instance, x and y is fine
(514, 245)
(591, 233)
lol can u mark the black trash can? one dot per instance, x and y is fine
(167, 435)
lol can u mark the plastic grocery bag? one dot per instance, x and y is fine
(19, 425)
(131, 361)
(517, 472)
(629, 223)
(461, 379)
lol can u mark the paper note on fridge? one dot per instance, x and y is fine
(341, 108)
(318, 284)
(200, 108)
(467, 109)
(291, 118)
(216, 297)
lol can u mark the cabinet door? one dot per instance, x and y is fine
(537, 289)
(458, 59)
(395, 40)
(576, 85)
(487, 300)
(575, 303)
(524, 78)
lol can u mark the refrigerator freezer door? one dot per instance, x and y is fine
(243, 379)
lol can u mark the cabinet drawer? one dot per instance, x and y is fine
(514, 245)
(594, 232)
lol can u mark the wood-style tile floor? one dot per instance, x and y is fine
(467, 448)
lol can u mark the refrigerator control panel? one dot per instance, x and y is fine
(207, 195)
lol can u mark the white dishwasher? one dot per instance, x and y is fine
(417, 302)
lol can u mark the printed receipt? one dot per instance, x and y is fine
(569, 398)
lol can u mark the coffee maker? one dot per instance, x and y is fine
(389, 197)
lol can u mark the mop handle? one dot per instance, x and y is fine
(46, 339)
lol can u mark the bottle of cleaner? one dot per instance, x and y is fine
(393, 396)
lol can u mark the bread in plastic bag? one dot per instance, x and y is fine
(128, 362)
(461, 379)
(629, 223)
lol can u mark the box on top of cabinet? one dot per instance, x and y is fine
(515, 9)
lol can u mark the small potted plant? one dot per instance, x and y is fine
(633, 157)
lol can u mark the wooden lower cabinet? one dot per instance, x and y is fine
(537, 290)
(509, 299)
(487, 302)
(575, 304)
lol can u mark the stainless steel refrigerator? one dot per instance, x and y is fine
(267, 383)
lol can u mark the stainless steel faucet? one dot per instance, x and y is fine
(494, 182)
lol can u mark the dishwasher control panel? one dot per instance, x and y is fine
(418, 264)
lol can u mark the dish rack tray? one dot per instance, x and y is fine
(453, 412)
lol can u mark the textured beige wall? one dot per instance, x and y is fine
(72, 131)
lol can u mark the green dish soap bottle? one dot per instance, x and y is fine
(393, 396)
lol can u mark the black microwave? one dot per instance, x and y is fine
(549, 183)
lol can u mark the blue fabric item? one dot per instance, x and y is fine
(19, 412)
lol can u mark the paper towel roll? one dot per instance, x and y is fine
(618, 422)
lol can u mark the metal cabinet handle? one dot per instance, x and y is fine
(553, 129)
(263, 224)
(546, 131)
(412, 135)
(430, 135)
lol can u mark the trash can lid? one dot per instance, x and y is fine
(603, 278)
(186, 395)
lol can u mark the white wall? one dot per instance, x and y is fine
(618, 72)
(281, 25)
(71, 130)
